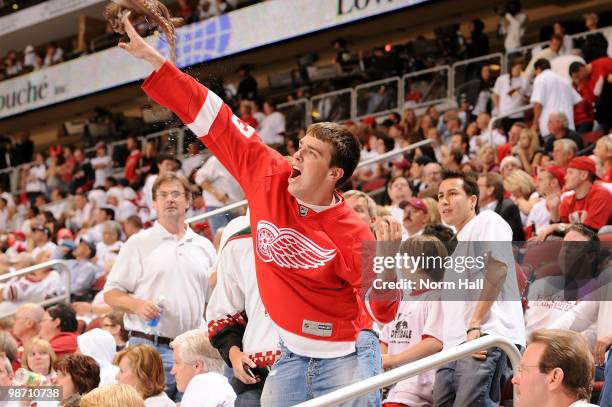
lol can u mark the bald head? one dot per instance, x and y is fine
(33, 311)
(27, 321)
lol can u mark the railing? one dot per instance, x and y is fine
(240, 204)
(463, 72)
(415, 368)
(378, 97)
(334, 106)
(65, 296)
(297, 114)
(425, 82)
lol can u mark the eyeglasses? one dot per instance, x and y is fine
(108, 325)
(173, 194)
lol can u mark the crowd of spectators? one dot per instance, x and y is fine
(36, 57)
(546, 171)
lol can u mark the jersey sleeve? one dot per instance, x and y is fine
(233, 142)
(598, 210)
(226, 308)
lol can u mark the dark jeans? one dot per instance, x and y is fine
(471, 382)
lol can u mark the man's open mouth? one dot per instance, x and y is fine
(295, 173)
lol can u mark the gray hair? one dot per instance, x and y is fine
(34, 311)
(195, 346)
(562, 117)
(569, 146)
(114, 227)
(7, 365)
(8, 346)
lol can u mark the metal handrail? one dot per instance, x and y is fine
(48, 264)
(449, 89)
(240, 204)
(477, 59)
(420, 366)
(507, 114)
(322, 96)
(356, 89)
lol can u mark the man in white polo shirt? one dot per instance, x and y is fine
(469, 314)
(167, 261)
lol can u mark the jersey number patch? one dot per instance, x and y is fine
(246, 130)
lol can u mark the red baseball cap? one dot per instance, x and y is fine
(557, 172)
(584, 164)
(414, 202)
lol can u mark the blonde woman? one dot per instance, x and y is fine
(432, 211)
(141, 367)
(523, 191)
(528, 150)
(38, 357)
(115, 395)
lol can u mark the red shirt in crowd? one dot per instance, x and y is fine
(65, 343)
(131, 164)
(594, 210)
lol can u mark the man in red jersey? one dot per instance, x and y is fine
(589, 204)
(308, 242)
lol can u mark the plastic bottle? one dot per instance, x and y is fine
(152, 325)
(24, 377)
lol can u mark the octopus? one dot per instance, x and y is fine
(151, 11)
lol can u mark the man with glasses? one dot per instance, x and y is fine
(27, 322)
(556, 370)
(168, 261)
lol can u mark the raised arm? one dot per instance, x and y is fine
(233, 142)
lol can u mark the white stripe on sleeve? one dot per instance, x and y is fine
(207, 115)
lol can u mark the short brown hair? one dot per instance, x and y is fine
(170, 177)
(83, 370)
(345, 146)
(147, 366)
(569, 351)
(114, 395)
(427, 246)
(116, 318)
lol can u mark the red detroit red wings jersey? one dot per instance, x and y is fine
(308, 264)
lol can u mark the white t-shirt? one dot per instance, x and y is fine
(36, 178)
(161, 400)
(494, 236)
(191, 163)
(208, 390)
(416, 318)
(539, 215)
(516, 100)
(101, 173)
(153, 263)
(106, 254)
(48, 247)
(272, 125)
(547, 305)
(555, 94)
(222, 181)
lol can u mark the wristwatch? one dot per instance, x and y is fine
(562, 227)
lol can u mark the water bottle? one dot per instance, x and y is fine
(152, 325)
(24, 377)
